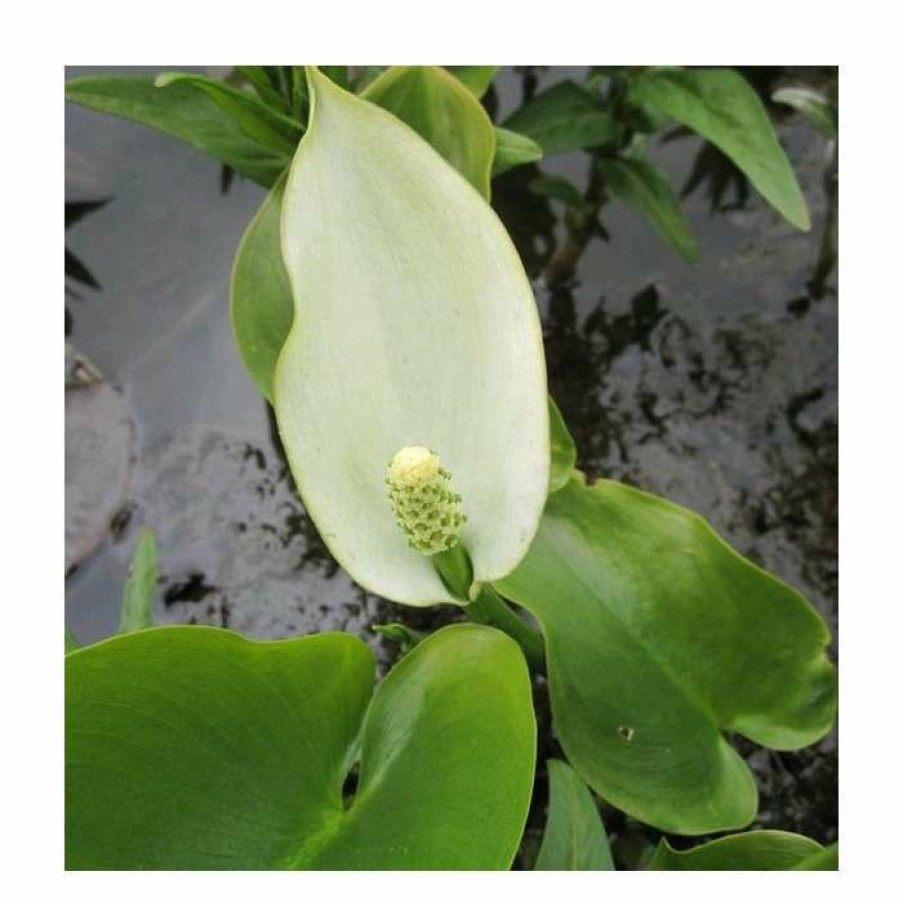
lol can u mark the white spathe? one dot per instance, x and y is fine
(415, 325)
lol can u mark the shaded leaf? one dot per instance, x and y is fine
(186, 112)
(823, 861)
(564, 452)
(720, 105)
(565, 117)
(193, 748)
(378, 231)
(140, 586)
(753, 851)
(75, 269)
(71, 642)
(261, 296)
(645, 187)
(561, 190)
(444, 113)
(512, 149)
(476, 79)
(659, 636)
(574, 838)
(259, 79)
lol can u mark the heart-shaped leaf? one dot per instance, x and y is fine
(444, 113)
(720, 105)
(750, 852)
(185, 111)
(193, 748)
(575, 838)
(403, 280)
(659, 636)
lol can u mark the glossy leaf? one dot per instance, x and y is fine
(140, 586)
(574, 838)
(185, 112)
(564, 452)
(823, 861)
(814, 106)
(659, 637)
(261, 296)
(720, 105)
(444, 113)
(645, 187)
(403, 280)
(476, 79)
(750, 852)
(262, 124)
(565, 117)
(512, 149)
(193, 748)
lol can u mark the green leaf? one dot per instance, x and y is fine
(575, 838)
(193, 748)
(260, 122)
(186, 112)
(755, 851)
(258, 77)
(564, 452)
(401, 634)
(560, 189)
(444, 113)
(565, 117)
(476, 79)
(140, 586)
(646, 188)
(814, 106)
(403, 279)
(659, 636)
(261, 296)
(513, 150)
(721, 106)
(823, 861)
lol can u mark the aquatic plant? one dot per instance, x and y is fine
(381, 308)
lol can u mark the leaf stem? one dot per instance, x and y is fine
(488, 607)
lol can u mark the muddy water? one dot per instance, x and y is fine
(713, 384)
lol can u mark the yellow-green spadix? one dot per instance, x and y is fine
(415, 328)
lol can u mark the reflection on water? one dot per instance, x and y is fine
(714, 385)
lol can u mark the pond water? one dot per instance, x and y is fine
(712, 384)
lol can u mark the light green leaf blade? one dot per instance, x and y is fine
(140, 586)
(565, 117)
(193, 748)
(720, 105)
(645, 187)
(444, 113)
(403, 280)
(261, 296)
(512, 149)
(260, 122)
(825, 860)
(754, 851)
(185, 112)
(476, 79)
(574, 838)
(814, 106)
(564, 451)
(447, 759)
(658, 638)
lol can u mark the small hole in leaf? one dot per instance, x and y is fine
(626, 733)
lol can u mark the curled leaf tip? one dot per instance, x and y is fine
(426, 508)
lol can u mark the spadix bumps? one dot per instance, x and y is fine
(414, 323)
(426, 508)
